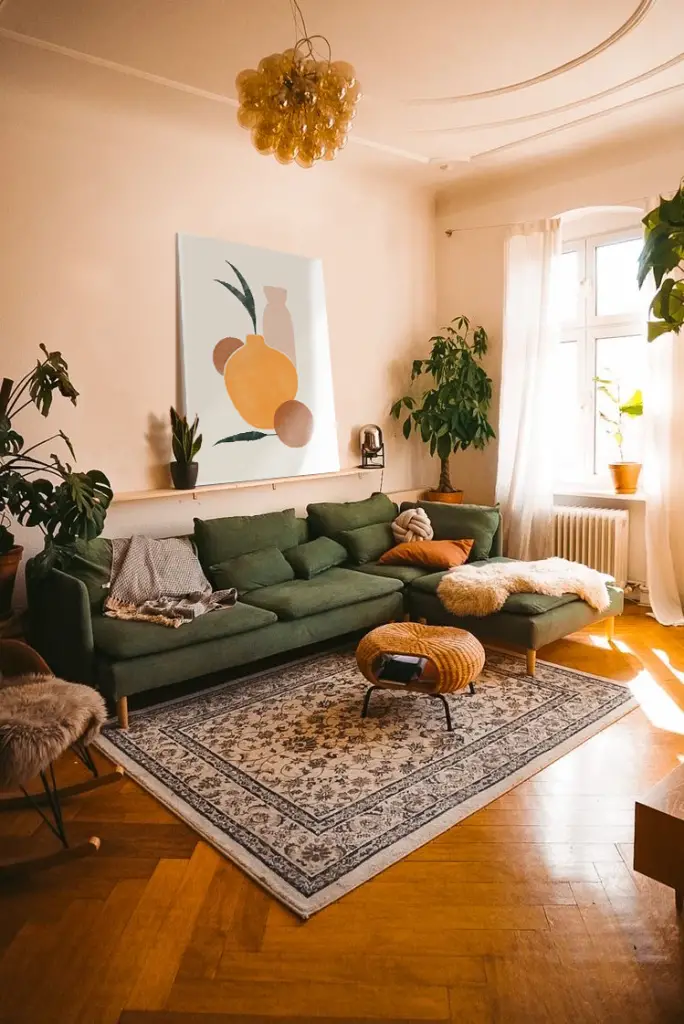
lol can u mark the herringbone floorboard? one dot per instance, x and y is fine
(526, 912)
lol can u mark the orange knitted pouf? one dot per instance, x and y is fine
(455, 658)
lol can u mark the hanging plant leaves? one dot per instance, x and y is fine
(246, 435)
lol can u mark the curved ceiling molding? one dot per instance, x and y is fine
(526, 118)
(580, 120)
(628, 26)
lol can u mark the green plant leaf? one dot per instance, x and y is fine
(634, 406)
(406, 428)
(50, 374)
(656, 328)
(245, 296)
(249, 298)
(247, 435)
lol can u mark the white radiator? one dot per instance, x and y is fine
(598, 537)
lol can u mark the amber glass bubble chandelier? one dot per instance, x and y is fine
(297, 105)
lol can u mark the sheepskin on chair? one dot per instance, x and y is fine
(40, 717)
(413, 524)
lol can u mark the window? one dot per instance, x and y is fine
(603, 315)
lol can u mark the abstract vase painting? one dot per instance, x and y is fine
(256, 361)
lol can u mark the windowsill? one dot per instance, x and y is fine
(580, 491)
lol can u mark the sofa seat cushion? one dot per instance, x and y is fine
(334, 588)
(405, 573)
(119, 639)
(516, 604)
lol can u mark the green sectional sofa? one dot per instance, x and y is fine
(299, 581)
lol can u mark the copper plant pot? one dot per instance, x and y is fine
(450, 497)
(625, 476)
(9, 565)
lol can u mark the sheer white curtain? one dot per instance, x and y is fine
(663, 474)
(531, 336)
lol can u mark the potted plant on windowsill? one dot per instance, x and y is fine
(185, 443)
(451, 415)
(625, 474)
(68, 507)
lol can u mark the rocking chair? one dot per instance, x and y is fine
(40, 718)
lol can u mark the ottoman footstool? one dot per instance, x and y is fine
(455, 659)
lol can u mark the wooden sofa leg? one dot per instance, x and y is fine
(610, 628)
(531, 657)
(122, 712)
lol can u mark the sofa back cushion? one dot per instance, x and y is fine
(480, 523)
(302, 531)
(367, 543)
(263, 568)
(331, 518)
(314, 557)
(91, 562)
(218, 540)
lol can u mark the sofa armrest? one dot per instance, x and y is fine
(60, 625)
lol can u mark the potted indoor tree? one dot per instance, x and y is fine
(625, 474)
(42, 492)
(185, 443)
(451, 415)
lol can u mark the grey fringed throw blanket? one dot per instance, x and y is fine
(160, 581)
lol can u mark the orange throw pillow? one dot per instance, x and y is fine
(435, 554)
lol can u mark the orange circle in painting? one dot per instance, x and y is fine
(259, 379)
(294, 424)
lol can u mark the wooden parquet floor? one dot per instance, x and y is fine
(526, 912)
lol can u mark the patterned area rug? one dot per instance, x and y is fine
(281, 774)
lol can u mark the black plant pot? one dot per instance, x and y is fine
(184, 475)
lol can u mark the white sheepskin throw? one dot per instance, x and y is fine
(472, 590)
(413, 524)
(40, 717)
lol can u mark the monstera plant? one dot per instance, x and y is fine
(43, 491)
(451, 415)
(663, 253)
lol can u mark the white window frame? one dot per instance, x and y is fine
(586, 329)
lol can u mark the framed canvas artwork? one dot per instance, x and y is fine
(256, 361)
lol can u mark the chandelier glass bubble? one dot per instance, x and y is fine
(298, 107)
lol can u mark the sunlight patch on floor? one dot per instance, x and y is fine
(665, 658)
(600, 641)
(661, 710)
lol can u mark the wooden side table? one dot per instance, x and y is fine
(659, 834)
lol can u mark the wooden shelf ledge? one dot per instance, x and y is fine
(198, 492)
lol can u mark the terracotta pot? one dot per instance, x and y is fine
(450, 497)
(184, 475)
(9, 564)
(625, 476)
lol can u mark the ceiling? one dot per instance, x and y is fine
(446, 82)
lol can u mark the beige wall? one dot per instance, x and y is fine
(98, 173)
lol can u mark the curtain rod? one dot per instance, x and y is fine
(479, 227)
